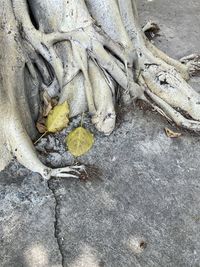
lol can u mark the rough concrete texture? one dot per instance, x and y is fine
(140, 205)
(27, 215)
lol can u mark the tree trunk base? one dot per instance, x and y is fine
(82, 57)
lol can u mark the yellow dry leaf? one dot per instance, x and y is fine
(58, 118)
(172, 134)
(79, 141)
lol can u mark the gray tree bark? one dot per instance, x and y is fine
(82, 52)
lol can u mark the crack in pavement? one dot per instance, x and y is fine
(56, 227)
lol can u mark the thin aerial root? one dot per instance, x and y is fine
(38, 61)
(156, 108)
(31, 70)
(52, 89)
(107, 62)
(82, 61)
(40, 44)
(67, 172)
(65, 175)
(43, 70)
(127, 57)
(108, 79)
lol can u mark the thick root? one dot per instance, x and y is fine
(83, 63)
(181, 68)
(21, 146)
(74, 93)
(164, 81)
(86, 42)
(16, 116)
(164, 76)
(105, 116)
(174, 115)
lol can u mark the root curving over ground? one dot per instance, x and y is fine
(83, 52)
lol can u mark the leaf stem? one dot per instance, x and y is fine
(40, 138)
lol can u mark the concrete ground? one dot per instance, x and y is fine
(141, 204)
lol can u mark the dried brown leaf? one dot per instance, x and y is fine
(41, 127)
(171, 133)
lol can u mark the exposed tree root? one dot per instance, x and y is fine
(166, 82)
(81, 51)
(88, 43)
(16, 120)
(164, 77)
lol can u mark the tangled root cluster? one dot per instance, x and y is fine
(83, 52)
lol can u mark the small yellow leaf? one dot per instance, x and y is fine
(58, 118)
(79, 141)
(172, 134)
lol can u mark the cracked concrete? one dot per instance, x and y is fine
(52, 187)
(27, 214)
(140, 206)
